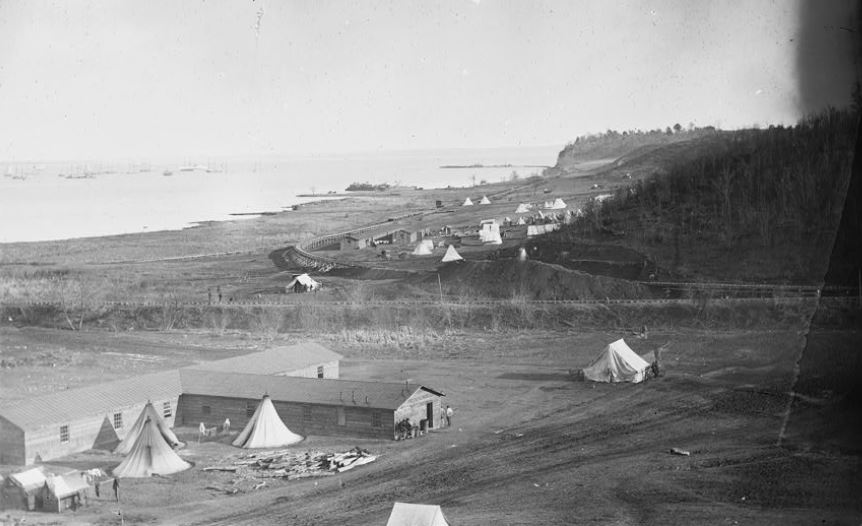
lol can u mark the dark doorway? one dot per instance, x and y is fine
(429, 414)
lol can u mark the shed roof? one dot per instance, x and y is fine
(378, 395)
(29, 480)
(65, 406)
(64, 485)
(272, 361)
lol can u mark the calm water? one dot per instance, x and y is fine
(36, 204)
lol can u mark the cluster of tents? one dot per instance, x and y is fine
(426, 248)
(556, 204)
(149, 446)
(483, 201)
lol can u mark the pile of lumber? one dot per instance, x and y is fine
(291, 464)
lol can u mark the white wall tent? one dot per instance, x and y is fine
(617, 363)
(404, 514)
(422, 249)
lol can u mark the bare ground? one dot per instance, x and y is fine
(530, 446)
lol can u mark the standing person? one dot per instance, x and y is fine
(442, 416)
(209, 296)
(117, 488)
(202, 431)
(449, 413)
(218, 290)
(98, 483)
(225, 428)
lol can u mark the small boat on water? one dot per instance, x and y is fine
(167, 173)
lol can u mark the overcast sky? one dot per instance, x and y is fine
(132, 79)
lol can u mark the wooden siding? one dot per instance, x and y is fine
(323, 420)
(12, 449)
(94, 432)
(415, 408)
(330, 371)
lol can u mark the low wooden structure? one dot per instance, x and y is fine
(65, 492)
(308, 406)
(352, 243)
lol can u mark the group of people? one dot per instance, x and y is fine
(204, 431)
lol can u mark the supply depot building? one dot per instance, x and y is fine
(302, 381)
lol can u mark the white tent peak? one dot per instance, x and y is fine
(451, 255)
(523, 208)
(147, 413)
(467, 202)
(404, 514)
(617, 363)
(266, 429)
(485, 200)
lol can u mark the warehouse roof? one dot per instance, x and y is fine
(64, 406)
(273, 361)
(378, 395)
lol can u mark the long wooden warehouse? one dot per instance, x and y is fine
(92, 417)
(311, 403)
(308, 406)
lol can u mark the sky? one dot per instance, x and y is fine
(130, 80)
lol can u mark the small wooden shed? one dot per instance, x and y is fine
(352, 243)
(65, 492)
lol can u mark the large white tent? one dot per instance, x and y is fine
(557, 204)
(617, 363)
(150, 455)
(149, 412)
(485, 200)
(422, 249)
(305, 280)
(467, 202)
(523, 208)
(451, 255)
(266, 429)
(404, 514)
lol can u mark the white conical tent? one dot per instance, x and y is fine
(521, 221)
(404, 514)
(150, 455)
(617, 363)
(422, 249)
(558, 204)
(523, 208)
(266, 429)
(485, 200)
(491, 235)
(150, 412)
(451, 255)
(467, 202)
